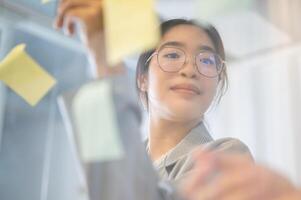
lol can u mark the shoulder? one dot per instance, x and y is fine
(228, 145)
(184, 164)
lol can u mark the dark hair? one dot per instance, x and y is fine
(142, 65)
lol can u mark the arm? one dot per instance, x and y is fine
(232, 176)
(88, 16)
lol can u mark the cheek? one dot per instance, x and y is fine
(212, 85)
(156, 82)
(210, 88)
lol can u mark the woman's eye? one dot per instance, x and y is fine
(207, 61)
(172, 55)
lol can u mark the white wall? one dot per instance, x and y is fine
(262, 108)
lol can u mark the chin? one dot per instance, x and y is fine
(186, 113)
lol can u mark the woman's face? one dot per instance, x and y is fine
(184, 95)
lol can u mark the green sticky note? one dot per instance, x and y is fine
(95, 119)
(207, 9)
(25, 76)
(46, 1)
(130, 27)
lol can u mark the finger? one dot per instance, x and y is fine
(250, 191)
(294, 195)
(253, 182)
(274, 183)
(245, 191)
(195, 178)
(73, 16)
(231, 183)
(204, 194)
(58, 22)
(198, 177)
(71, 28)
(201, 155)
(65, 7)
(230, 161)
(198, 153)
(69, 23)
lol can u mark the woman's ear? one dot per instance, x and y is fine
(143, 83)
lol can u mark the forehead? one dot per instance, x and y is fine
(188, 37)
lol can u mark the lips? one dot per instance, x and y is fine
(186, 88)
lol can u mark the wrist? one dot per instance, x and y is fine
(100, 69)
(97, 58)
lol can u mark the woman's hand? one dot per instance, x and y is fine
(235, 177)
(88, 15)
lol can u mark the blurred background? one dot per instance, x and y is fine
(262, 107)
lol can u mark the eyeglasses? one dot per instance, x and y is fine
(172, 59)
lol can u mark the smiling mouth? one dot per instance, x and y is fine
(187, 89)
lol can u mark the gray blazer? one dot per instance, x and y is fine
(175, 164)
(133, 177)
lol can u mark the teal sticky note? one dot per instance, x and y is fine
(96, 122)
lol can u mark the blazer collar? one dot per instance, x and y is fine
(197, 136)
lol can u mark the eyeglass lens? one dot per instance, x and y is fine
(172, 60)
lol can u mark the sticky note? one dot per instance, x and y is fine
(206, 9)
(25, 76)
(130, 27)
(46, 1)
(95, 120)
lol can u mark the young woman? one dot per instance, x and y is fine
(177, 82)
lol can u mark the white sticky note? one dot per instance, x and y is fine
(95, 119)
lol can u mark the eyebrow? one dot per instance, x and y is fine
(180, 44)
(172, 43)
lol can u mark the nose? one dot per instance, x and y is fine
(189, 69)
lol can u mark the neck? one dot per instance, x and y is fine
(165, 135)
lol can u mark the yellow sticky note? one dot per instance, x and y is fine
(24, 76)
(96, 123)
(130, 27)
